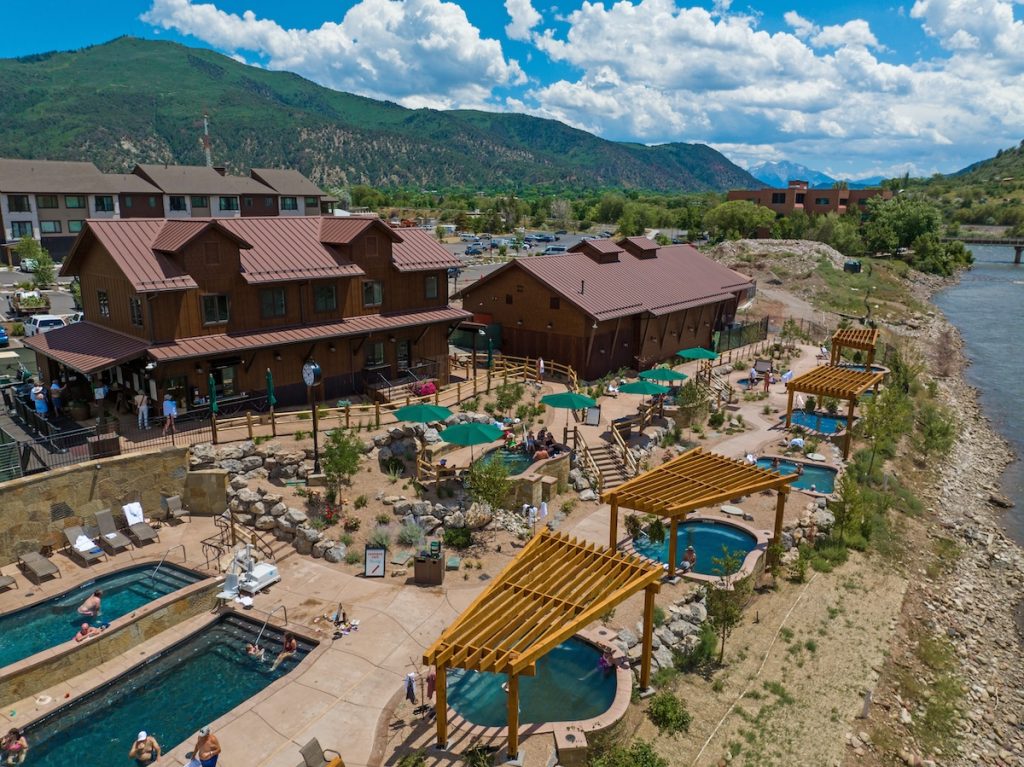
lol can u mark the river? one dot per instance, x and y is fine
(986, 306)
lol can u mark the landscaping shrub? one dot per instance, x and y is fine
(361, 501)
(410, 534)
(458, 538)
(669, 713)
(353, 557)
(716, 419)
(380, 538)
(634, 525)
(383, 519)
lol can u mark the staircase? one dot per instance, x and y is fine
(713, 386)
(607, 461)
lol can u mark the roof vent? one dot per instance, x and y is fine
(220, 169)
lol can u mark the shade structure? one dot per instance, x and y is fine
(568, 400)
(422, 413)
(663, 374)
(836, 382)
(643, 387)
(469, 434)
(271, 398)
(697, 353)
(212, 384)
(865, 339)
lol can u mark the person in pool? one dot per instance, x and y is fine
(91, 606)
(689, 559)
(207, 749)
(14, 746)
(288, 649)
(255, 651)
(145, 750)
(85, 632)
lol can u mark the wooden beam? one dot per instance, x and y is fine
(441, 706)
(780, 510)
(673, 546)
(848, 437)
(648, 643)
(513, 716)
(613, 525)
(789, 406)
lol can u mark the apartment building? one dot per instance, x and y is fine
(799, 196)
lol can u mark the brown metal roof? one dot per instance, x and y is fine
(286, 181)
(597, 247)
(199, 179)
(177, 233)
(286, 248)
(86, 347)
(634, 244)
(419, 251)
(341, 230)
(51, 177)
(130, 243)
(678, 278)
(205, 346)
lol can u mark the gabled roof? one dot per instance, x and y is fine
(51, 177)
(199, 180)
(419, 251)
(342, 230)
(286, 181)
(596, 247)
(86, 347)
(129, 183)
(678, 278)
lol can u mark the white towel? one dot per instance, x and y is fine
(84, 543)
(110, 536)
(133, 513)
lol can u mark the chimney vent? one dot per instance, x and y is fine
(583, 285)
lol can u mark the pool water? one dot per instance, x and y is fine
(822, 477)
(38, 627)
(568, 686)
(170, 696)
(863, 368)
(515, 461)
(820, 422)
(707, 539)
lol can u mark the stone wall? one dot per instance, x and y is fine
(27, 504)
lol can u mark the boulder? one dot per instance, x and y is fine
(478, 517)
(663, 657)
(681, 628)
(824, 519)
(271, 465)
(267, 449)
(396, 433)
(689, 643)
(252, 462)
(202, 454)
(320, 547)
(303, 545)
(629, 638)
(271, 498)
(258, 509)
(588, 495)
(310, 534)
(335, 553)
(391, 500)
(1001, 501)
(295, 517)
(230, 453)
(277, 510)
(381, 440)
(420, 508)
(248, 447)
(694, 612)
(285, 472)
(384, 455)
(231, 466)
(293, 458)
(429, 523)
(238, 483)
(455, 519)
(256, 474)
(402, 508)
(245, 518)
(366, 446)
(431, 436)
(248, 496)
(266, 522)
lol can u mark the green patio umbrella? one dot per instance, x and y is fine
(663, 374)
(422, 413)
(470, 434)
(213, 394)
(569, 400)
(271, 399)
(642, 387)
(697, 353)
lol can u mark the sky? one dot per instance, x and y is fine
(853, 89)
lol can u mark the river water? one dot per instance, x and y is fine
(987, 306)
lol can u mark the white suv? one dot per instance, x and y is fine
(41, 323)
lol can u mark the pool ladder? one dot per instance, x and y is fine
(269, 616)
(184, 558)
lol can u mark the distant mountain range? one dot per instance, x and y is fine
(779, 174)
(132, 100)
(1007, 164)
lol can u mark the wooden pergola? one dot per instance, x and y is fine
(865, 339)
(553, 588)
(836, 382)
(689, 482)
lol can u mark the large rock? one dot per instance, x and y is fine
(381, 440)
(277, 510)
(295, 517)
(252, 462)
(267, 449)
(335, 553)
(681, 628)
(303, 545)
(238, 483)
(429, 523)
(202, 454)
(271, 498)
(310, 534)
(663, 657)
(824, 519)
(431, 436)
(396, 433)
(256, 474)
(320, 547)
(258, 509)
(248, 496)
(588, 495)
(421, 507)
(384, 455)
(629, 638)
(230, 453)
(266, 522)
(391, 500)
(478, 517)
(455, 519)
(402, 508)
(694, 612)
(231, 466)
(293, 458)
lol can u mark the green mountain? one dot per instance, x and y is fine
(134, 100)
(1007, 164)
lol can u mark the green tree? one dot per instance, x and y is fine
(848, 507)
(489, 483)
(726, 598)
(609, 208)
(30, 249)
(738, 218)
(932, 255)
(439, 232)
(841, 232)
(906, 217)
(507, 396)
(886, 418)
(936, 430)
(342, 453)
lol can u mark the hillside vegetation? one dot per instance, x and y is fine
(134, 100)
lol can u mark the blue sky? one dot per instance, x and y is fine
(853, 89)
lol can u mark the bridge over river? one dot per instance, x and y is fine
(1017, 243)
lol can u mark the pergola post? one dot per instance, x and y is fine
(613, 525)
(836, 349)
(441, 705)
(789, 407)
(780, 511)
(645, 655)
(673, 546)
(871, 357)
(513, 716)
(848, 437)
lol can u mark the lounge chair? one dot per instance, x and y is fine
(138, 530)
(38, 565)
(176, 510)
(313, 755)
(110, 538)
(6, 581)
(82, 547)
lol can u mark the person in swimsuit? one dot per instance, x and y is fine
(287, 651)
(86, 632)
(14, 746)
(90, 608)
(255, 651)
(207, 749)
(145, 750)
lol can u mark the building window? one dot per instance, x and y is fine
(104, 203)
(373, 293)
(200, 201)
(268, 202)
(127, 200)
(289, 203)
(229, 203)
(844, 201)
(49, 227)
(74, 201)
(177, 203)
(135, 310)
(75, 226)
(272, 303)
(800, 198)
(555, 303)
(225, 380)
(370, 245)
(248, 202)
(18, 203)
(403, 355)
(103, 301)
(21, 229)
(44, 201)
(215, 309)
(508, 298)
(520, 289)
(778, 198)
(312, 202)
(325, 298)
(152, 201)
(821, 201)
(375, 354)
(430, 284)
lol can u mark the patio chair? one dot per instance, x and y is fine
(110, 538)
(138, 529)
(176, 510)
(82, 547)
(313, 755)
(6, 581)
(38, 565)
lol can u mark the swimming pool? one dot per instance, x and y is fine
(170, 696)
(42, 625)
(568, 686)
(707, 539)
(822, 477)
(515, 461)
(863, 368)
(819, 422)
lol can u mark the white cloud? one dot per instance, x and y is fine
(855, 33)
(974, 24)
(802, 28)
(417, 52)
(524, 17)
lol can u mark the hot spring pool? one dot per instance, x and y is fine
(568, 686)
(515, 461)
(707, 539)
(819, 422)
(822, 477)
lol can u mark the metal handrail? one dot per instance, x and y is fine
(269, 616)
(184, 558)
(208, 545)
(628, 459)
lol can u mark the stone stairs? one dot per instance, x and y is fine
(608, 462)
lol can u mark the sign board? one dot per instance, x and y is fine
(593, 416)
(373, 562)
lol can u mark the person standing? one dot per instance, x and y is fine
(56, 396)
(170, 413)
(142, 408)
(145, 750)
(42, 409)
(207, 749)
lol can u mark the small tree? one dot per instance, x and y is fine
(340, 460)
(725, 600)
(29, 249)
(489, 483)
(936, 430)
(440, 232)
(507, 396)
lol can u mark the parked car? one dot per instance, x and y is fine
(28, 265)
(545, 238)
(561, 231)
(553, 249)
(43, 323)
(474, 250)
(76, 317)
(5, 341)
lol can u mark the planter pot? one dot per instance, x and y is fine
(79, 412)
